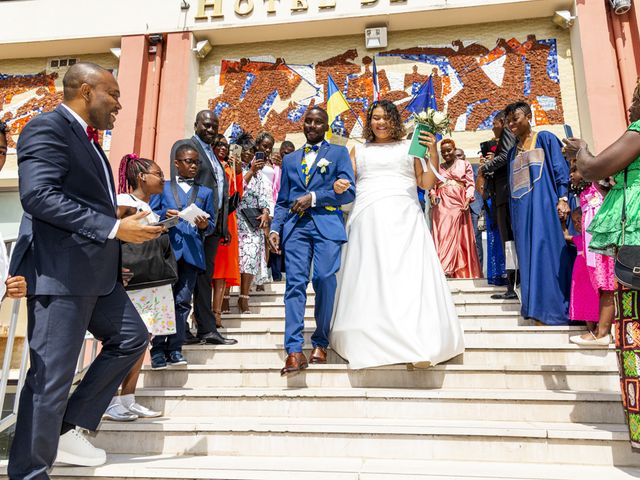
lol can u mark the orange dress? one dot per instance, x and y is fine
(227, 264)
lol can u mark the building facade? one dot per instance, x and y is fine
(270, 60)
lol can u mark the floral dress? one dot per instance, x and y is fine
(253, 258)
(155, 304)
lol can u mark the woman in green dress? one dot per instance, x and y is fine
(606, 231)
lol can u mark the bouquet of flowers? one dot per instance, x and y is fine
(432, 121)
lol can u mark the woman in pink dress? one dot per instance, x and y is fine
(452, 228)
(584, 303)
(599, 267)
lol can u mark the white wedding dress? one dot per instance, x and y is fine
(393, 304)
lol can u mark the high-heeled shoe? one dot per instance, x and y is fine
(243, 303)
(225, 304)
(218, 316)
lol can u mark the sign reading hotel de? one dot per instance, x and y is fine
(213, 9)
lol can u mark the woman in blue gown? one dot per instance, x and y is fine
(496, 272)
(539, 181)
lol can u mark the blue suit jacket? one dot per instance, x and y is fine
(292, 186)
(186, 240)
(62, 248)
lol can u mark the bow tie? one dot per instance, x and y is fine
(92, 133)
(188, 181)
(311, 148)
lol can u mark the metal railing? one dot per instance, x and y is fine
(8, 420)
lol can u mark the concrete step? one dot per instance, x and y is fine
(499, 376)
(469, 308)
(477, 336)
(252, 321)
(459, 404)
(567, 354)
(411, 439)
(278, 467)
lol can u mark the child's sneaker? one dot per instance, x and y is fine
(158, 362)
(176, 358)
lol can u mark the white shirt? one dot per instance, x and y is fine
(183, 185)
(84, 126)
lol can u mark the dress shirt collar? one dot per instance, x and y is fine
(80, 120)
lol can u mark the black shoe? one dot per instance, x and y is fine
(189, 339)
(214, 338)
(508, 295)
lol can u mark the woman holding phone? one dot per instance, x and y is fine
(252, 219)
(226, 272)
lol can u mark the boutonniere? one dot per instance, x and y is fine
(323, 164)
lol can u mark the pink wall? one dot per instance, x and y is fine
(610, 54)
(132, 72)
(177, 95)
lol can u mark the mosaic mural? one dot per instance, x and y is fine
(472, 83)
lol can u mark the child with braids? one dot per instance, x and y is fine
(139, 179)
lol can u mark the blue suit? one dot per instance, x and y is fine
(314, 237)
(187, 242)
(73, 274)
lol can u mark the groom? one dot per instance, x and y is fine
(308, 218)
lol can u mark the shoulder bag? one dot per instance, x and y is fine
(627, 266)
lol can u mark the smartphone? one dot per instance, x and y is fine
(167, 222)
(235, 151)
(485, 147)
(568, 131)
(259, 156)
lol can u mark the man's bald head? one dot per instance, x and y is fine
(206, 126)
(80, 73)
(91, 91)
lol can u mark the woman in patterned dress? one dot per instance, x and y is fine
(253, 259)
(621, 159)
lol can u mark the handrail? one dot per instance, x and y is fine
(82, 366)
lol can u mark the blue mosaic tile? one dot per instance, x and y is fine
(547, 103)
(296, 114)
(487, 123)
(247, 85)
(266, 105)
(236, 130)
(552, 60)
(220, 106)
(527, 79)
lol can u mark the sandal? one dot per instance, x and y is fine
(225, 304)
(218, 316)
(243, 303)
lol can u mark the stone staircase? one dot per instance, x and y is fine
(521, 403)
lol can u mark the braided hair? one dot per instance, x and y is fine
(131, 166)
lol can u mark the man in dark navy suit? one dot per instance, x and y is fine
(69, 251)
(210, 175)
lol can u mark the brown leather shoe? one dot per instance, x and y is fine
(318, 355)
(295, 363)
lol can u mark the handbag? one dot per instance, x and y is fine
(627, 266)
(152, 263)
(251, 216)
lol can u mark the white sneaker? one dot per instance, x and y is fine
(75, 449)
(117, 412)
(142, 411)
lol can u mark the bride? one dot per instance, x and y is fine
(393, 304)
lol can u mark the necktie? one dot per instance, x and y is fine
(92, 133)
(304, 165)
(188, 181)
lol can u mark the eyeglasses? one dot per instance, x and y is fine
(160, 175)
(190, 161)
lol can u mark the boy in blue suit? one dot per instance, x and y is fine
(187, 242)
(309, 222)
